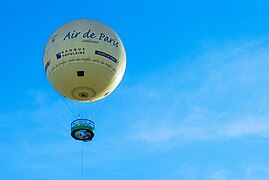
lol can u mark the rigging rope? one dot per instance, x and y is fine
(66, 104)
(97, 108)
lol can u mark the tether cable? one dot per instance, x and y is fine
(81, 171)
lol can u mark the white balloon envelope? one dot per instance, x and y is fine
(84, 60)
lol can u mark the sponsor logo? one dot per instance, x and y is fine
(100, 53)
(70, 52)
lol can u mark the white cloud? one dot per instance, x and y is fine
(220, 94)
(249, 126)
(218, 175)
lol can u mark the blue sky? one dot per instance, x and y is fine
(193, 103)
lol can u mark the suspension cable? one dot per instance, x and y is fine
(66, 104)
(97, 108)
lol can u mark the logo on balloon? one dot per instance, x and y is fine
(58, 55)
(100, 53)
(68, 52)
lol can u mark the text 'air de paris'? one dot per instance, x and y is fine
(92, 35)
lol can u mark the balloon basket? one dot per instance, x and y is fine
(82, 129)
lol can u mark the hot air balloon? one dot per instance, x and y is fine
(84, 60)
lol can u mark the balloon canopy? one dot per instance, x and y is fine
(84, 60)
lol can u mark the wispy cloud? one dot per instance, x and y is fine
(217, 175)
(248, 126)
(221, 93)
